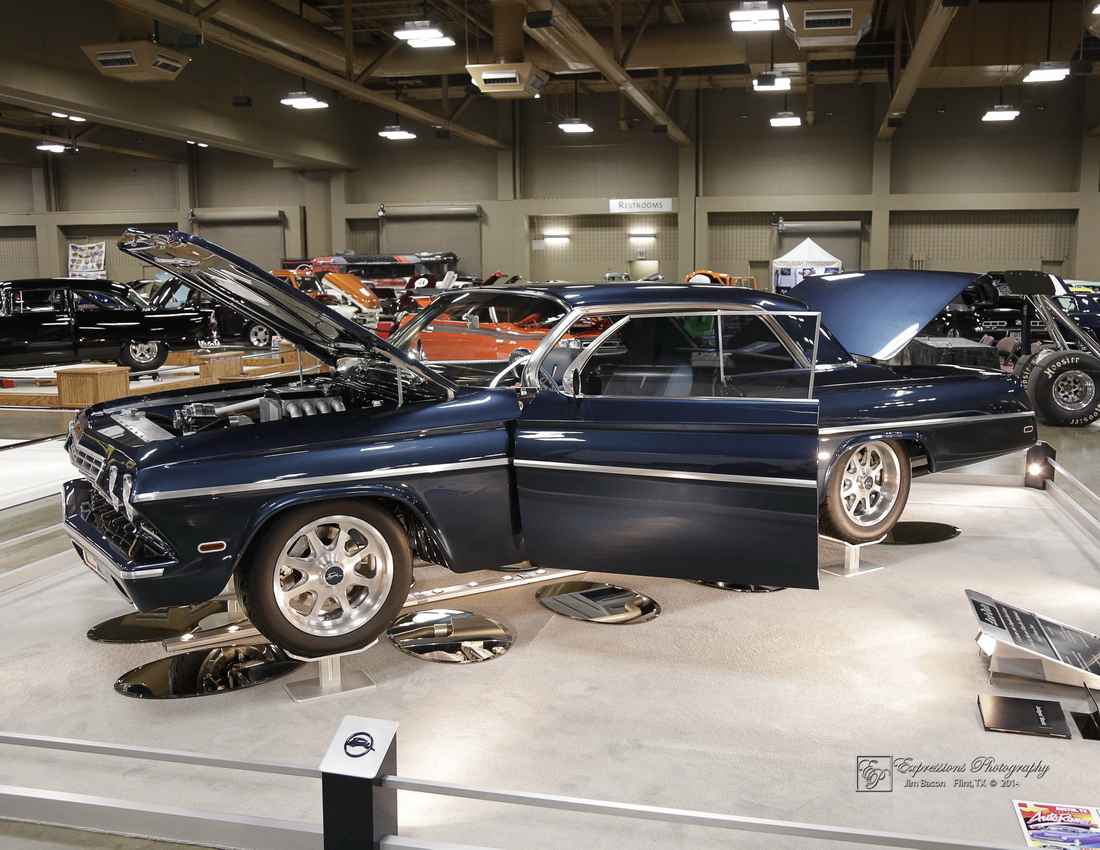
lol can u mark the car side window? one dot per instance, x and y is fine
(38, 301)
(704, 355)
(89, 299)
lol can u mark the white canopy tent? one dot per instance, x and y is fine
(804, 259)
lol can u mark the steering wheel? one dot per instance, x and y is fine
(545, 378)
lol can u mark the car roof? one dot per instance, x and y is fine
(612, 293)
(82, 282)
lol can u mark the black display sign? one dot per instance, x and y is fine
(1080, 649)
(1029, 631)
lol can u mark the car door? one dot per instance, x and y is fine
(105, 320)
(37, 326)
(661, 459)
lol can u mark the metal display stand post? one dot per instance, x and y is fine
(357, 811)
(330, 680)
(853, 564)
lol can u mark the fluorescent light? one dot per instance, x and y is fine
(437, 41)
(198, 144)
(302, 100)
(418, 30)
(649, 237)
(574, 125)
(771, 81)
(51, 147)
(640, 232)
(1048, 72)
(60, 114)
(786, 119)
(77, 119)
(1002, 112)
(396, 132)
(754, 16)
(556, 240)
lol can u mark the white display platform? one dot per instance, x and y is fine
(749, 704)
(33, 471)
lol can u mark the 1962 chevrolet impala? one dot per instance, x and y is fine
(692, 431)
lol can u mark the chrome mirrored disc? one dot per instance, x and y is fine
(449, 636)
(163, 623)
(597, 603)
(915, 533)
(205, 672)
(743, 588)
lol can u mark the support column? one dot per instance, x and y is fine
(318, 204)
(688, 186)
(1084, 261)
(880, 206)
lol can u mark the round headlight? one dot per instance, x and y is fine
(127, 489)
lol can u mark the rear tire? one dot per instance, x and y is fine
(143, 356)
(328, 578)
(257, 335)
(866, 491)
(1065, 389)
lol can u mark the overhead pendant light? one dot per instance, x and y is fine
(396, 132)
(51, 147)
(1002, 112)
(771, 81)
(754, 16)
(785, 119)
(574, 124)
(303, 100)
(440, 41)
(198, 144)
(1048, 72)
(418, 31)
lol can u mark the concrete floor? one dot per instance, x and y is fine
(743, 704)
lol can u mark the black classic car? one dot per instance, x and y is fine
(654, 430)
(48, 321)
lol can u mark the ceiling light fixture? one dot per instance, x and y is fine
(1002, 112)
(77, 119)
(1048, 72)
(754, 16)
(771, 81)
(303, 100)
(51, 147)
(395, 132)
(60, 114)
(786, 119)
(574, 124)
(441, 41)
(419, 31)
(198, 144)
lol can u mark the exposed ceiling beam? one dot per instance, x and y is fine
(44, 137)
(574, 32)
(924, 48)
(646, 18)
(269, 55)
(378, 60)
(213, 9)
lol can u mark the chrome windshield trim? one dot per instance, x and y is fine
(639, 472)
(908, 423)
(317, 480)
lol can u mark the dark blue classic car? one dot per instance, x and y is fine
(689, 431)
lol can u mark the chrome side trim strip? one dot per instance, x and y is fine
(638, 472)
(316, 480)
(908, 423)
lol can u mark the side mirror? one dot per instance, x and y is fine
(472, 321)
(569, 382)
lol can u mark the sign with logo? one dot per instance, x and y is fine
(359, 747)
(641, 205)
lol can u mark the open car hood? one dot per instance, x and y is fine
(262, 297)
(877, 313)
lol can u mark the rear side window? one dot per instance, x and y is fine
(38, 300)
(89, 299)
(694, 355)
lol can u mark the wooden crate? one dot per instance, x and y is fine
(85, 385)
(223, 364)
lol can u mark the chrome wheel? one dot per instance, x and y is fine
(143, 352)
(259, 336)
(1074, 390)
(870, 483)
(333, 575)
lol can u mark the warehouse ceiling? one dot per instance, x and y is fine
(647, 50)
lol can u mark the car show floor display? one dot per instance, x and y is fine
(758, 705)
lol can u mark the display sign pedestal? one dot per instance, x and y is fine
(853, 564)
(357, 811)
(1022, 643)
(330, 679)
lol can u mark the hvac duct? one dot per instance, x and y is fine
(394, 211)
(508, 30)
(231, 216)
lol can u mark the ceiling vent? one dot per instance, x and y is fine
(136, 61)
(509, 80)
(821, 25)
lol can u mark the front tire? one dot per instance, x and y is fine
(328, 578)
(1065, 389)
(258, 336)
(866, 491)
(143, 356)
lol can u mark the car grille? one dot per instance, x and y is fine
(88, 462)
(120, 531)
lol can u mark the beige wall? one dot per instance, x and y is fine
(227, 179)
(601, 243)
